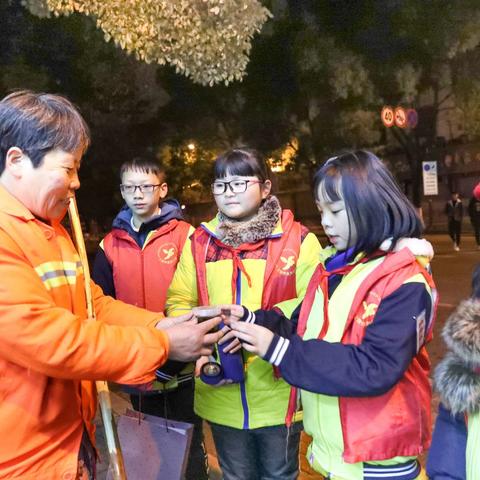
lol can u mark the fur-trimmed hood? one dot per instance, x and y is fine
(457, 377)
(234, 233)
(418, 246)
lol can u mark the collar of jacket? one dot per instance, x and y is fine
(262, 225)
(170, 209)
(13, 206)
(456, 377)
(420, 248)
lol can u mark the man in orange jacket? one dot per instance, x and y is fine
(50, 353)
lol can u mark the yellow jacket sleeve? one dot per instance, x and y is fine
(182, 294)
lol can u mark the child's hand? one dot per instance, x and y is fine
(231, 313)
(198, 370)
(254, 338)
(199, 364)
(234, 345)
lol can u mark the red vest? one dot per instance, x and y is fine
(142, 276)
(277, 284)
(397, 423)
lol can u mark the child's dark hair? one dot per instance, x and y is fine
(38, 123)
(145, 165)
(373, 200)
(244, 162)
(476, 282)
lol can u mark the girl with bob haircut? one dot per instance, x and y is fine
(256, 254)
(375, 204)
(355, 347)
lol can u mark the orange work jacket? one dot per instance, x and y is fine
(50, 354)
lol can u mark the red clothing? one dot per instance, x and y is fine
(50, 354)
(277, 286)
(142, 275)
(398, 422)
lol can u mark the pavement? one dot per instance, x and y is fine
(452, 273)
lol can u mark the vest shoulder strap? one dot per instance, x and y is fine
(200, 241)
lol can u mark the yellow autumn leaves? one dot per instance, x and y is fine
(206, 40)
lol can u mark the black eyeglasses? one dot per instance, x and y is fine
(143, 188)
(235, 186)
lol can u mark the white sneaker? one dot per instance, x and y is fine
(456, 247)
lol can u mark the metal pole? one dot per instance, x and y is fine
(113, 444)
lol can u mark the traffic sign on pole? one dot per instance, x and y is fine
(430, 178)
(400, 117)
(412, 118)
(388, 116)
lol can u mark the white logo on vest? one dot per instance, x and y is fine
(167, 253)
(288, 262)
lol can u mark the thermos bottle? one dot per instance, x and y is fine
(228, 366)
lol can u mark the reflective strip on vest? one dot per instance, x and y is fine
(56, 274)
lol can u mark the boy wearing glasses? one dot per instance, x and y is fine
(135, 263)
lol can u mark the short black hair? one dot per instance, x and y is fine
(145, 165)
(241, 161)
(38, 123)
(373, 200)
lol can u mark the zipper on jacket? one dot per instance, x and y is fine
(243, 390)
(143, 279)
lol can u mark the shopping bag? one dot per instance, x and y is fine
(153, 448)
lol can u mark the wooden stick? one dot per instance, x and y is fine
(113, 444)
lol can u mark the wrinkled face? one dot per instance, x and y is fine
(144, 205)
(335, 222)
(242, 206)
(47, 189)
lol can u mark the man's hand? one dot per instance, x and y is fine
(189, 340)
(169, 322)
(254, 338)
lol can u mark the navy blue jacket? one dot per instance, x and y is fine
(446, 457)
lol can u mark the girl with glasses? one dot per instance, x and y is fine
(252, 253)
